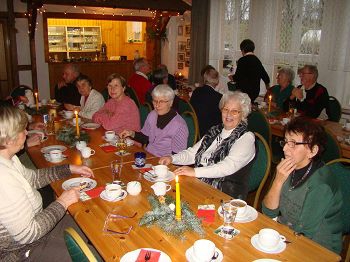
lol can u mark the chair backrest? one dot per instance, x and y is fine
(332, 149)
(192, 125)
(260, 169)
(341, 168)
(77, 248)
(333, 109)
(130, 92)
(144, 111)
(258, 123)
(184, 106)
(105, 94)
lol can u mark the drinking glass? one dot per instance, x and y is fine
(116, 168)
(121, 145)
(230, 212)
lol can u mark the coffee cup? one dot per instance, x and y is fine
(140, 159)
(55, 154)
(269, 238)
(74, 121)
(160, 170)
(43, 102)
(203, 250)
(68, 114)
(109, 135)
(80, 145)
(285, 120)
(133, 188)
(112, 191)
(86, 152)
(241, 206)
(160, 188)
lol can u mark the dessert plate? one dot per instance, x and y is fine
(133, 255)
(75, 182)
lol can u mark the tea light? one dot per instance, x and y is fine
(77, 122)
(177, 200)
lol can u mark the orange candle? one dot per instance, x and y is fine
(270, 100)
(77, 122)
(177, 200)
(36, 101)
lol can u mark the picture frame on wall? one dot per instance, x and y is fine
(188, 53)
(181, 57)
(187, 30)
(188, 43)
(181, 46)
(187, 63)
(180, 30)
(180, 65)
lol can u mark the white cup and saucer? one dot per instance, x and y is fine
(203, 250)
(269, 241)
(80, 145)
(160, 188)
(67, 114)
(55, 156)
(110, 136)
(113, 193)
(86, 152)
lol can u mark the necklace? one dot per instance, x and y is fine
(302, 178)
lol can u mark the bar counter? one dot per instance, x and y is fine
(98, 71)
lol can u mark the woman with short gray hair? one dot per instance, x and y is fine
(282, 91)
(222, 158)
(165, 132)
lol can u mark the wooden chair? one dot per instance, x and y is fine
(77, 248)
(130, 92)
(332, 148)
(341, 168)
(192, 125)
(105, 94)
(144, 111)
(260, 169)
(333, 109)
(184, 106)
(258, 123)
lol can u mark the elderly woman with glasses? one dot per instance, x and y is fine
(304, 194)
(222, 157)
(165, 132)
(23, 221)
(120, 111)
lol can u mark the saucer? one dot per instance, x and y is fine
(118, 198)
(278, 249)
(191, 258)
(48, 149)
(151, 177)
(114, 139)
(54, 161)
(250, 215)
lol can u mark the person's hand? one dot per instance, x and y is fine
(33, 140)
(23, 99)
(61, 84)
(69, 197)
(284, 169)
(165, 160)
(81, 170)
(185, 171)
(298, 93)
(69, 107)
(127, 133)
(36, 126)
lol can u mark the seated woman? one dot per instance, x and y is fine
(305, 194)
(221, 158)
(165, 131)
(91, 100)
(282, 91)
(23, 221)
(120, 111)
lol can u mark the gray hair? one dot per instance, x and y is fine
(140, 62)
(313, 69)
(163, 90)
(73, 67)
(13, 121)
(211, 77)
(239, 97)
(288, 72)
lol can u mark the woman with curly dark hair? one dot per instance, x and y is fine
(305, 195)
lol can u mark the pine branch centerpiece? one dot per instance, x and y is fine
(69, 136)
(163, 215)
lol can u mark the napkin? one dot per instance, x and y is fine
(93, 193)
(154, 256)
(109, 148)
(206, 212)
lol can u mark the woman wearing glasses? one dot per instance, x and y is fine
(222, 157)
(165, 132)
(305, 195)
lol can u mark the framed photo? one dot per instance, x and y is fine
(187, 63)
(181, 46)
(180, 65)
(188, 53)
(181, 57)
(180, 30)
(188, 44)
(187, 30)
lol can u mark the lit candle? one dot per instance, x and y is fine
(36, 101)
(270, 100)
(178, 201)
(77, 122)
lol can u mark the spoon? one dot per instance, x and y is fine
(215, 256)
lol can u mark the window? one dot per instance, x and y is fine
(134, 32)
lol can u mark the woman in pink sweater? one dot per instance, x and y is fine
(120, 112)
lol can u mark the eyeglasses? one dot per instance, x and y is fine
(306, 73)
(228, 111)
(292, 143)
(161, 102)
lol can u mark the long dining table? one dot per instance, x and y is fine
(91, 214)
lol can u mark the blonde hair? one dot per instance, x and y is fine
(12, 122)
